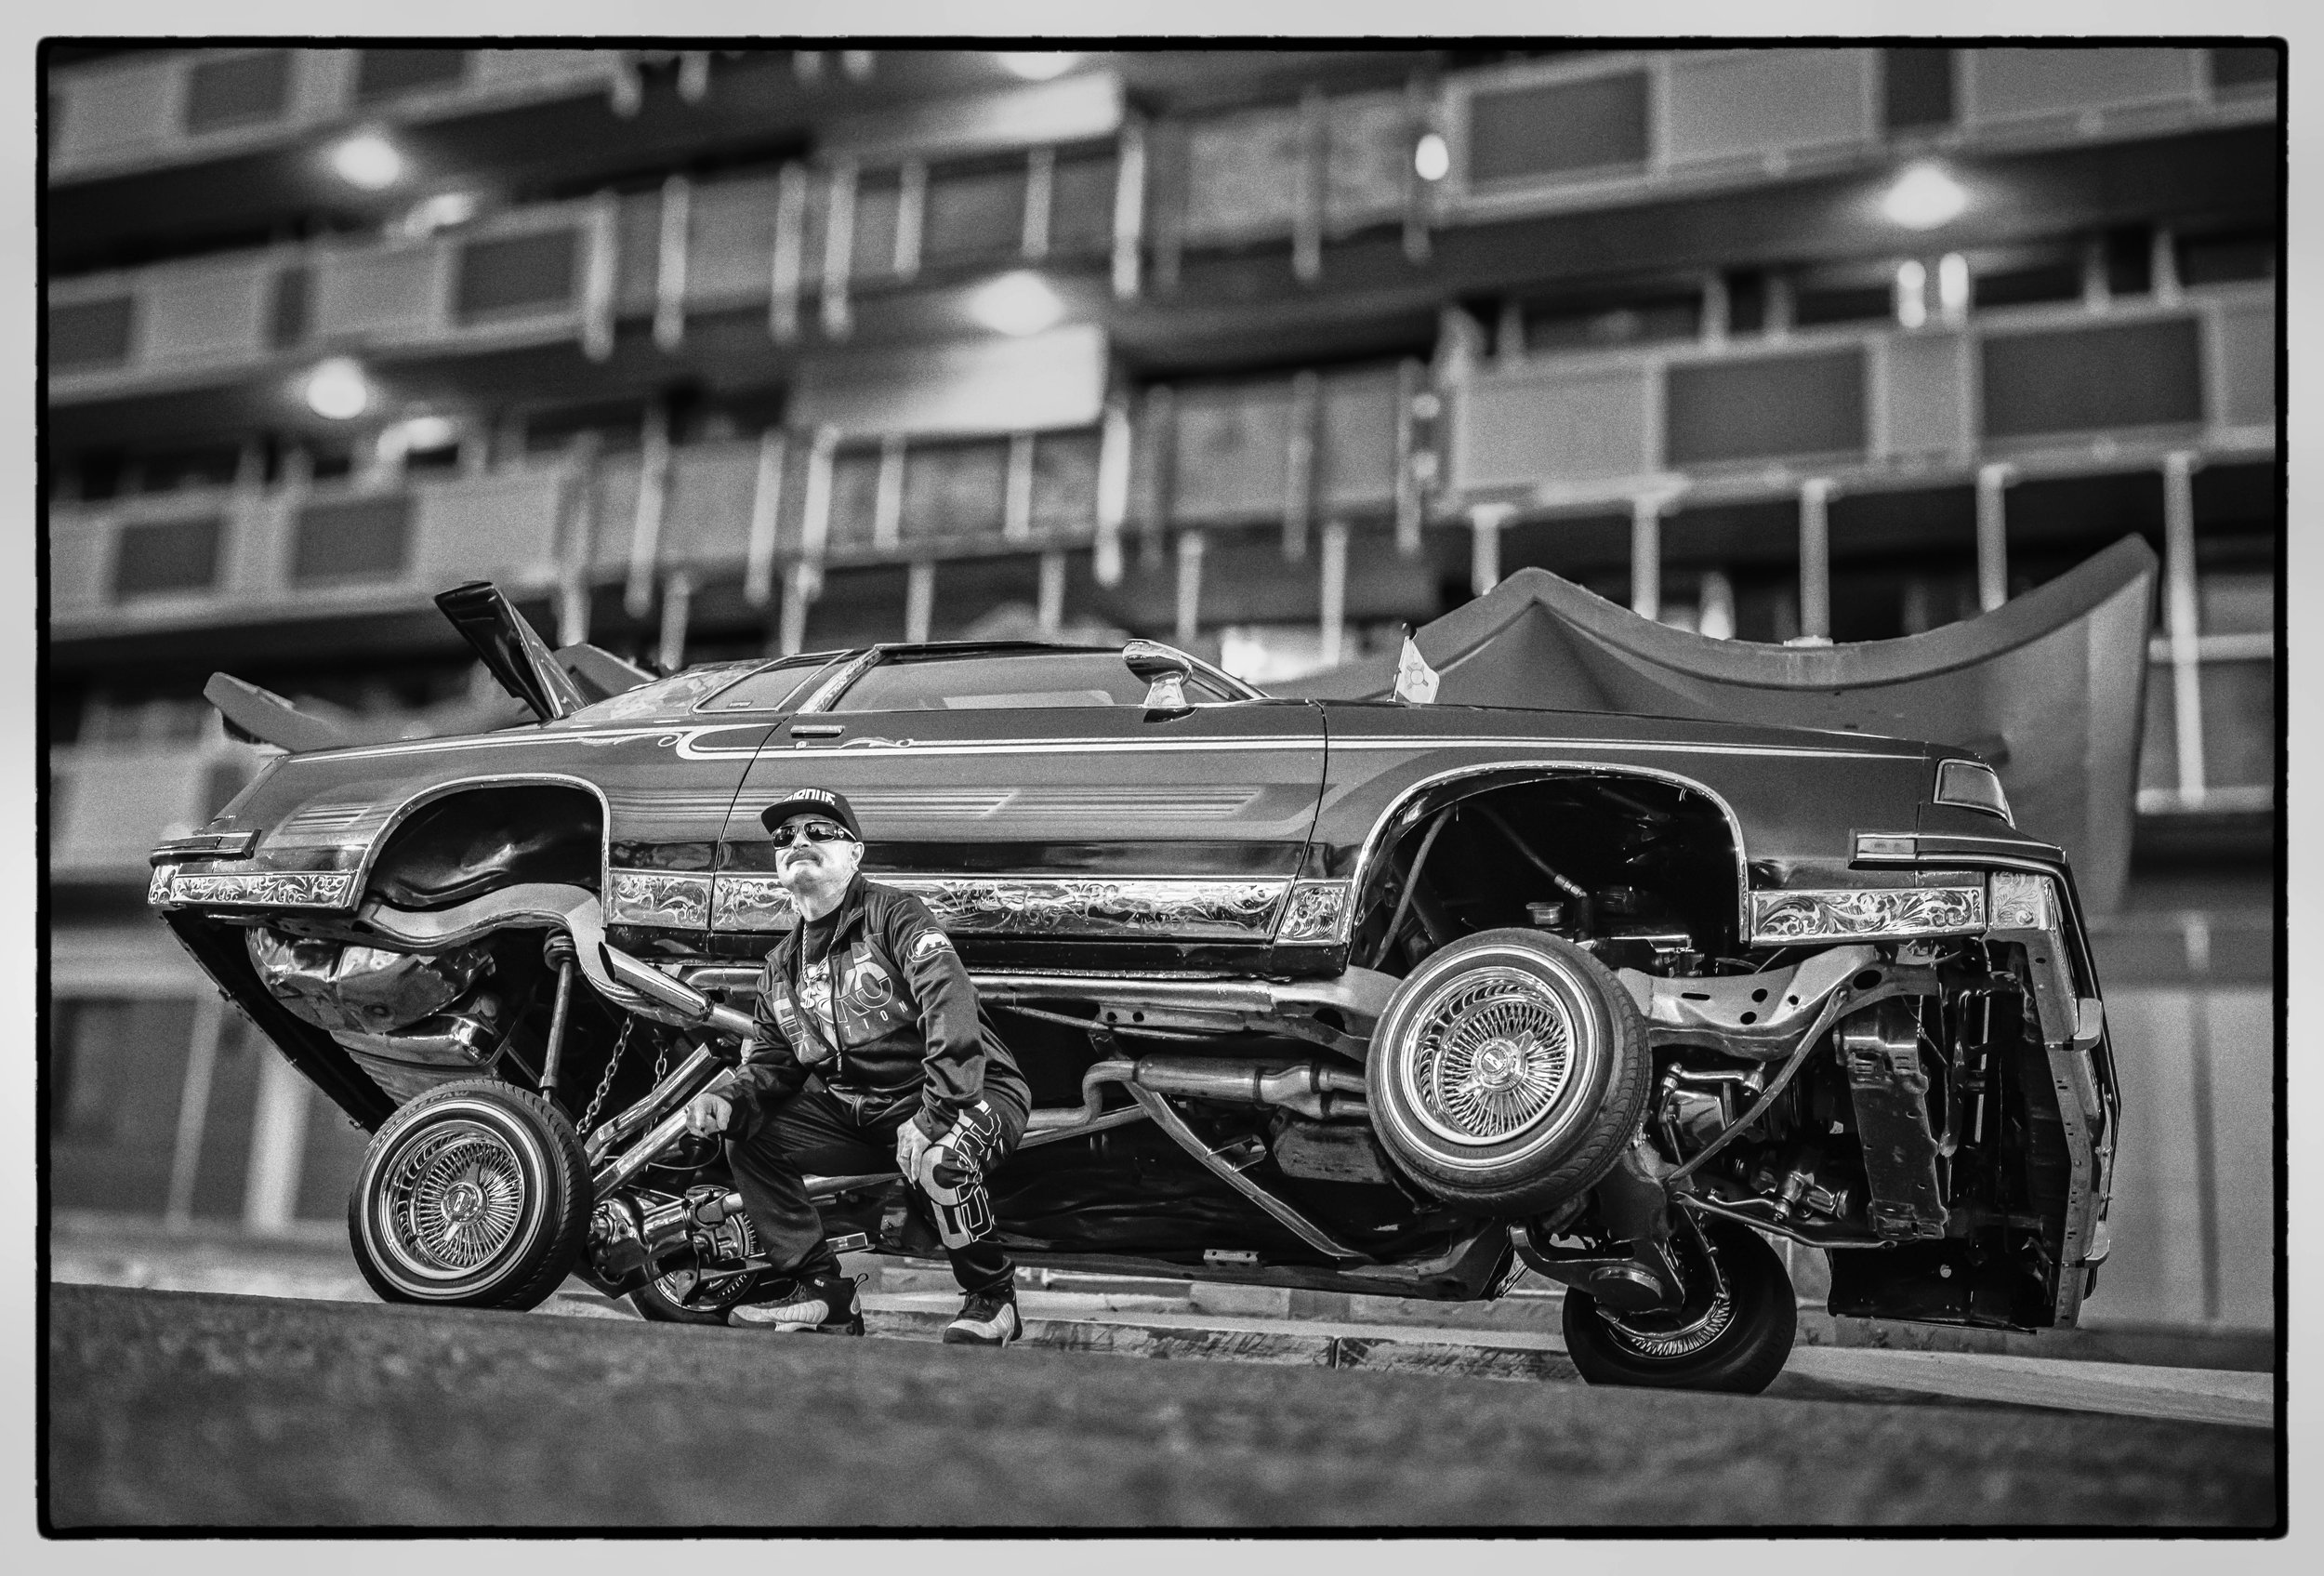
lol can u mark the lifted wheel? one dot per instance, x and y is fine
(1734, 1331)
(472, 1196)
(1508, 1071)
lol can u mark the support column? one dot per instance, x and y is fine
(888, 497)
(694, 74)
(1776, 313)
(838, 249)
(1299, 464)
(911, 216)
(677, 607)
(1993, 535)
(1050, 611)
(2162, 265)
(645, 536)
(278, 1146)
(1409, 376)
(920, 600)
(1307, 199)
(1646, 557)
(1130, 207)
(787, 264)
(1114, 467)
(1714, 617)
(1041, 197)
(601, 244)
(766, 514)
(1016, 515)
(1718, 310)
(791, 632)
(669, 278)
(2181, 613)
(1190, 549)
(194, 1108)
(1485, 521)
(2097, 290)
(1814, 561)
(1334, 590)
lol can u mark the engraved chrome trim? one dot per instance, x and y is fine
(2022, 902)
(1372, 838)
(1865, 913)
(1317, 911)
(751, 903)
(1178, 907)
(658, 897)
(263, 888)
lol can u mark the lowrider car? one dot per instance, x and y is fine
(1385, 998)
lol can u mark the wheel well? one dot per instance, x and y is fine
(1620, 855)
(476, 839)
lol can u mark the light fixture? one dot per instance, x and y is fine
(1017, 303)
(368, 160)
(1952, 287)
(1039, 65)
(1430, 159)
(417, 434)
(1924, 197)
(440, 212)
(1912, 299)
(337, 390)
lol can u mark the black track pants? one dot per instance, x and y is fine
(815, 1133)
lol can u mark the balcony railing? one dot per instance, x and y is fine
(1527, 139)
(142, 112)
(1853, 402)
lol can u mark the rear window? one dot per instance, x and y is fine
(1010, 680)
(663, 698)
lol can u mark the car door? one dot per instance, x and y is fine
(1042, 811)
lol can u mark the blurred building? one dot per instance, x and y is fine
(709, 353)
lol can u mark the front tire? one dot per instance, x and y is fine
(1508, 1071)
(472, 1196)
(1733, 1334)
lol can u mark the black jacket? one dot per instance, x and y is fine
(906, 1014)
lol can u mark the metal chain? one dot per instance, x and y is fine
(660, 1059)
(588, 1117)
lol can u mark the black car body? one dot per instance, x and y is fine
(1150, 865)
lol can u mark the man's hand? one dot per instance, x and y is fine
(708, 1113)
(911, 1143)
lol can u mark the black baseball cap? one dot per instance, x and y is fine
(814, 801)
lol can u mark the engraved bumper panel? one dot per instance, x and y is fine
(1867, 914)
(260, 889)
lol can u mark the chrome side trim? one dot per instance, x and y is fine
(1551, 767)
(1161, 906)
(261, 889)
(2026, 909)
(658, 897)
(1865, 913)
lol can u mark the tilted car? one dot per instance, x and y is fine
(1380, 998)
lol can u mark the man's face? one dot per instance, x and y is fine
(805, 860)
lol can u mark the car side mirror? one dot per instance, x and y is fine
(1165, 672)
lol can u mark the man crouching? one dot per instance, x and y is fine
(868, 996)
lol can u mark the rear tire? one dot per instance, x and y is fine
(1508, 1071)
(473, 1195)
(1736, 1341)
(686, 1296)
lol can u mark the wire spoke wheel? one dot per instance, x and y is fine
(473, 1195)
(454, 1199)
(1493, 1051)
(1507, 1071)
(1733, 1331)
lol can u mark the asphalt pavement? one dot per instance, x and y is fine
(201, 1409)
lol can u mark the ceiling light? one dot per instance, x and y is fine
(1430, 159)
(1017, 303)
(337, 390)
(1039, 65)
(368, 160)
(1924, 197)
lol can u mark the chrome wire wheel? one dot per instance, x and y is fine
(1692, 1330)
(474, 1195)
(454, 1201)
(1493, 1050)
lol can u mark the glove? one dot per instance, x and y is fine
(708, 1113)
(911, 1147)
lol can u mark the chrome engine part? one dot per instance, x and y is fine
(361, 990)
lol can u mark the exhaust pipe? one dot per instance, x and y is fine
(1309, 1088)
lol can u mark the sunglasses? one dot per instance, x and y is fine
(815, 831)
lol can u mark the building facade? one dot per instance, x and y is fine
(709, 353)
